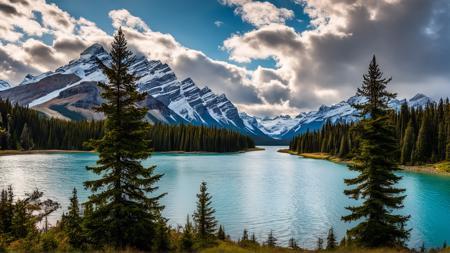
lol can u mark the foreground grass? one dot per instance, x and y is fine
(228, 247)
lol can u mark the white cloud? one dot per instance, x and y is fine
(319, 66)
(218, 23)
(259, 13)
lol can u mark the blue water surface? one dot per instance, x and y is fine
(259, 191)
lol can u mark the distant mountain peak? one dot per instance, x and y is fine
(4, 85)
(94, 49)
(418, 96)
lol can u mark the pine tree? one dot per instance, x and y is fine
(187, 238)
(331, 239)
(292, 243)
(319, 244)
(253, 239)
(271, 240)
(221, 233)
(26, 141)
(244, 235)
(124, 215)
(72, 222)
(377, 226)
(423, 151)
(205, 222)
(408, 144)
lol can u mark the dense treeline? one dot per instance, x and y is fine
(22, 128)
(197, 138)
(423, 136)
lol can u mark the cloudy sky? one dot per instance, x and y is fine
(268, 57)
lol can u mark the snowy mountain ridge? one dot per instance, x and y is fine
(70, 92)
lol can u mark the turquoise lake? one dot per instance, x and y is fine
(259, 191)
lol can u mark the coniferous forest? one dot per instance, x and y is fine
(124, 212)
(26, 129)
(422, 136)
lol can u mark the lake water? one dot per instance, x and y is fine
(259, 191)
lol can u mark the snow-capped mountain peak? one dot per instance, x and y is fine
(4, 85)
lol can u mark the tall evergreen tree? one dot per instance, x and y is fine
(205, 222)
(292, 243)
(26, 141)
(407, 144)
(72, 221)
(271, 240)
(331, 240)
(187, 238)
(376, 180)
(319, 244)
(125, 213)
(221, 233)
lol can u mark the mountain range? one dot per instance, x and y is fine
(71, 92)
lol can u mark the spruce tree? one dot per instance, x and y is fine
(271, 240)
(26, 141)
(331, 240)
(423, 144)
(125, 212)
(244, 235)
(205, 222)
(187, 238)
(408, 144)
(292, 243)
(375, 184)
(221, 233)
(72, 222)
(319, 244)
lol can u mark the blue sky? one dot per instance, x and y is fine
(268, 57)
(192, 23)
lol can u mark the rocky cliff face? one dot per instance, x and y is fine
(71, 92)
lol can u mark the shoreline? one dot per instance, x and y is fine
(58, 151)
(433, 169)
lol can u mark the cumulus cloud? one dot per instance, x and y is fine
(325, 64)
(218, 23)
(321, 65)
(259, 13)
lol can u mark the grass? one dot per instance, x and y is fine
(227, 247)
(443, 166)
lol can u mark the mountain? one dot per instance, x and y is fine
(4, 85)
(71, 92)
(343, 112)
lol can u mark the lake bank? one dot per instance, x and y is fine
(441, 168)
(60, 151)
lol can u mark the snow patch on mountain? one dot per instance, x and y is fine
(4, 85)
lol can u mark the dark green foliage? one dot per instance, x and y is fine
(50, 133)
(424, 138)
(221, 233)
(125, 212)
(319, 244)
(293, 243)
(408, 144)
(253, 239)
(205, 222)
(19, 218)
(271, 240)
(72, 222)
(27, 128)
(374, 89)
(331, 240)
(187, 238)
(375, 183)
(197, 138)
(26, 142)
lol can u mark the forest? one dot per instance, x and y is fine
(26, 129)
(422, 135)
